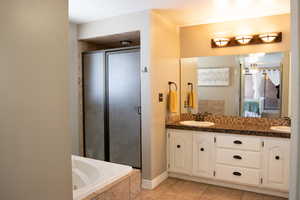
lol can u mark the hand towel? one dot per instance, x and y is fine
(191, 99)
(173, 101)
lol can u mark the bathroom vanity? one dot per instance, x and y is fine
(233, 129)
(253, 160)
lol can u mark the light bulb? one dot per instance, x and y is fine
(221, 42)
(244, 39)
(268, 37)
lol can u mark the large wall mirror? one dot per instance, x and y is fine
(253, 85)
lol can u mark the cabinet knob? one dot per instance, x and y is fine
(178, 146)
(237, 157)
(277, 157)
(202, 149)
(237, 173)
(237, 142)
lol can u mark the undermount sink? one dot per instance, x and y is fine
(197, 123)
(285, 129)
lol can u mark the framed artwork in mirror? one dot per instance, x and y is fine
(213, 76)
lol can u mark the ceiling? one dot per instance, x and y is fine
(113, 41)
(181, 12)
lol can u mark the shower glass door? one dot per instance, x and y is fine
(124, 119)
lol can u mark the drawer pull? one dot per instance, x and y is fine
(277, 157)
(178, 146)
(237, 142)
(202, 149)
(237, 173)
(237, 157)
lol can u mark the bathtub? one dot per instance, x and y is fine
(91, 175)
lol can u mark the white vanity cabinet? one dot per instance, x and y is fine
(248, 161)
(276, 159)
(180, 145)
(238, 159)
(203, 154)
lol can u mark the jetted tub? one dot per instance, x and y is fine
(91, 175)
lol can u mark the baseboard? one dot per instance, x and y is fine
(151, 184)
(229, 185)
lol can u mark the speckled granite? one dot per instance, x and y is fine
(234, 125)
(236, 120)
(232, 129)
(249, 121)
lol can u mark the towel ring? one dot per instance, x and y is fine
(172, 83)
(192, 86)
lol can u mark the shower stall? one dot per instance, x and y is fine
(112, 105)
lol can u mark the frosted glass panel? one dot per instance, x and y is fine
(124, 106)
(94, 107)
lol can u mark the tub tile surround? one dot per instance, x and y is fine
(234, 125)
(126, 188)
(135, 183)
(119, 191)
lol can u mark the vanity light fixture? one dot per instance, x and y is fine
(221, 42)
(268, 37)
(244, 39)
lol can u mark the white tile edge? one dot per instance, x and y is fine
(151, 184)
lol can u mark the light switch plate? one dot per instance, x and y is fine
(160, 97)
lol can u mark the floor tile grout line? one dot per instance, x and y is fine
(243, 193)
(207, 186)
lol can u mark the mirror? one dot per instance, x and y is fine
(253, 85)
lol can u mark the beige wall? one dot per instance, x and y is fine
(114, 25)
(195, 40)
(35, 145)
(295, 71)
(74, 92)
(164, 67)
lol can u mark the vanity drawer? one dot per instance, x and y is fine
(237, 142)
(238, 175)
(238, 158)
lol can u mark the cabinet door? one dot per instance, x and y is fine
(180, 151)
(203, 154)
(276, 164)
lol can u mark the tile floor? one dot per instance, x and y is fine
(175, 189)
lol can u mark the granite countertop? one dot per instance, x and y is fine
(232, 129)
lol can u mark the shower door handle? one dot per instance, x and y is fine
(139, 110)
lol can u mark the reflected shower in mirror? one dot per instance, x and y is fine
(253, 85)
